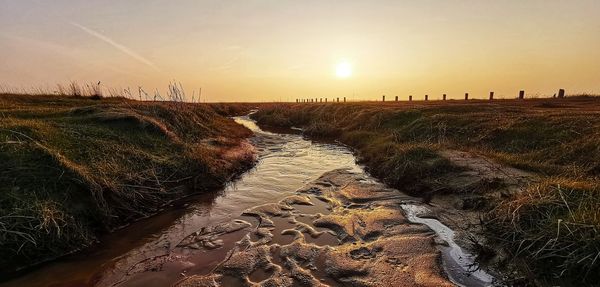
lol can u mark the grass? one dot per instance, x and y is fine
(74, 167)
(553, 223)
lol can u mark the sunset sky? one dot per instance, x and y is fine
(281, 50)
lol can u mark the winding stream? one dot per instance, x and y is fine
(287, 162)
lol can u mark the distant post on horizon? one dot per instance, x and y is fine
(466, 96)
(443, 97)
(561, 93)
(427, 97)
(383, 98)
(521, 94)
(326, 100)
(410, 98)
(338, 100)
(491, 96)
(344, 99)
(396, 99)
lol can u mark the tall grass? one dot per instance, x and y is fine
(72, 167)
(553, 223)
(174, 93)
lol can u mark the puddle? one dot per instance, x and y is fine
(458, 263)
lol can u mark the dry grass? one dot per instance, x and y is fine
(554, 222)
(72, 167)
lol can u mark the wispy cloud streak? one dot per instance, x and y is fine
(118, 46)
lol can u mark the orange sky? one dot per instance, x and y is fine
(281, 50)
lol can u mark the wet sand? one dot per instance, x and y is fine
(343, 229)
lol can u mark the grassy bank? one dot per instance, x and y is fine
(72, 168)
(553, 223)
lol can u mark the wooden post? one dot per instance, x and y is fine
(396, 98)
(427, 97)
(338, 100)
(521, 94)
(444, 97)
(466, 96)
(491, 96)
(326, 100)
(561, 93)
(410, 98)
(383, 98)
(344, 99)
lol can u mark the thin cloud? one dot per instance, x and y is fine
(228, 65)
(120, 47)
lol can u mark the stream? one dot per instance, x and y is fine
(158, 251)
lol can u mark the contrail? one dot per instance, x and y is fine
(116, 45)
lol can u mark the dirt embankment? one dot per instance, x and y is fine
(75, 167)
(543, 209)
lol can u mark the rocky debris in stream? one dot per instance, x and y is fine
(376, 245)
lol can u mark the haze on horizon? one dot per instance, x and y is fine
(281, 50)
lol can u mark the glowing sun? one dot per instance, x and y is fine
(343, 70)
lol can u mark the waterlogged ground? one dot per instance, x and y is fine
(306, 215)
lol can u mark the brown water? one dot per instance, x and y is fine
(192, 239)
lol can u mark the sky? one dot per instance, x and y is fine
(281, 50)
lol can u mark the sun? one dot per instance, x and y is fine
(343, 70)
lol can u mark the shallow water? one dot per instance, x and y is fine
(128, 257)
(459, 264)
(286, 163)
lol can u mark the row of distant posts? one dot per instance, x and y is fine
(561, 94)
(318, 100)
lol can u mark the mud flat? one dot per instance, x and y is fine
(306, 215)
(343, 229)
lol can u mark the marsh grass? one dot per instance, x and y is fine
(73, 166)
(553, 223)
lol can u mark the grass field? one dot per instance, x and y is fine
(73, 167)
(553, 223)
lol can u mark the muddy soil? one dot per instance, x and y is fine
(343, 229)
